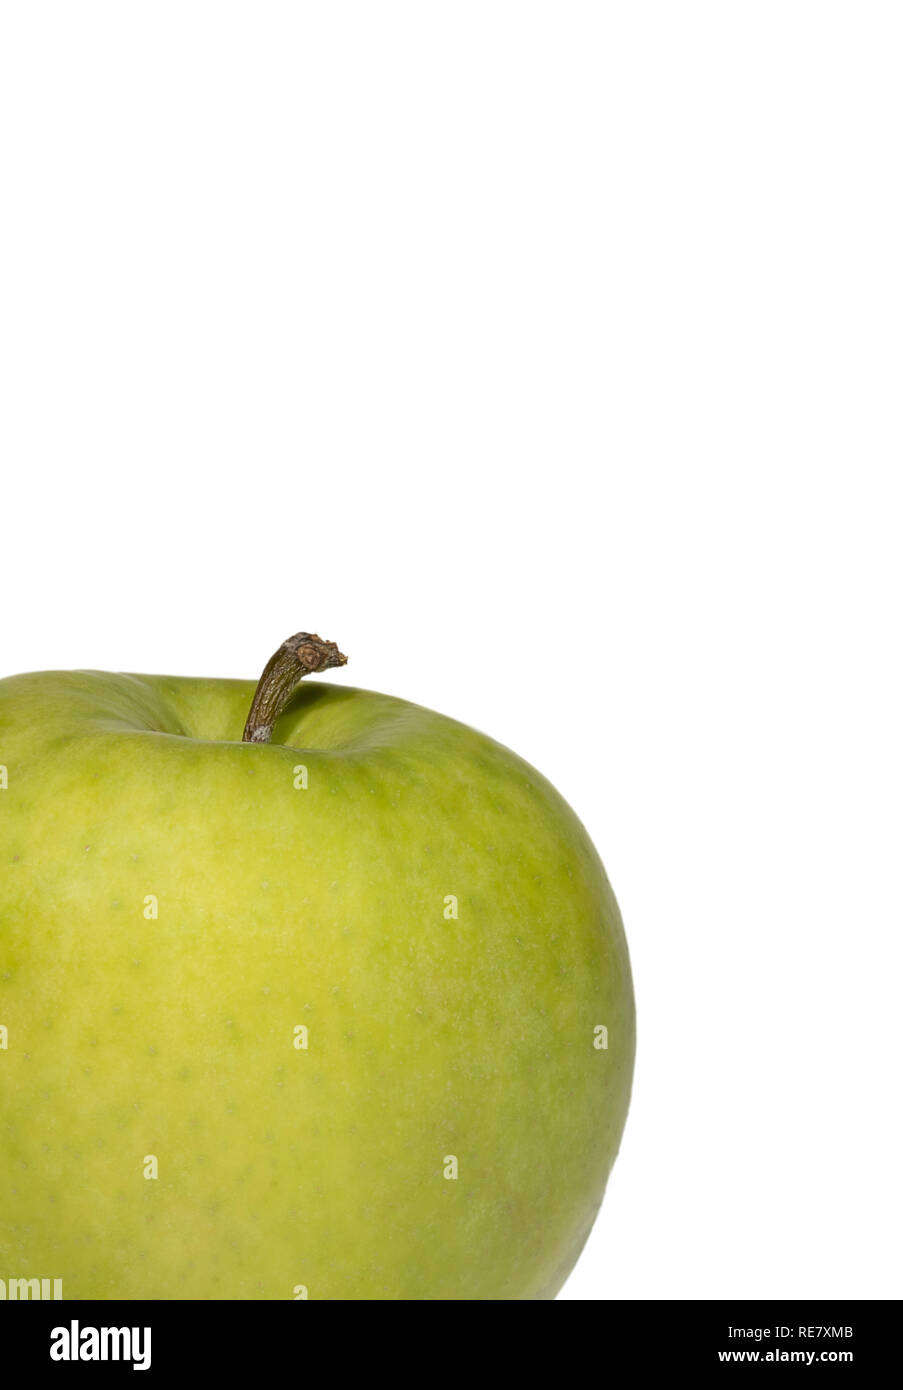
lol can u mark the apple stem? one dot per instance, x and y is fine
(301, 655)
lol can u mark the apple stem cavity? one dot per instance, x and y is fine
(301, 655)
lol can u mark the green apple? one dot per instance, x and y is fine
(334, 1002)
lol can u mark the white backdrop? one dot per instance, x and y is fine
(547, 356)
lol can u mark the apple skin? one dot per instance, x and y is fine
(283, 1169)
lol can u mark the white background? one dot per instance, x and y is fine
(548, 357)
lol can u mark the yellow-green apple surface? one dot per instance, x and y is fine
(331, 1000)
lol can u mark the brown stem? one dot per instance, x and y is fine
(299, 656)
